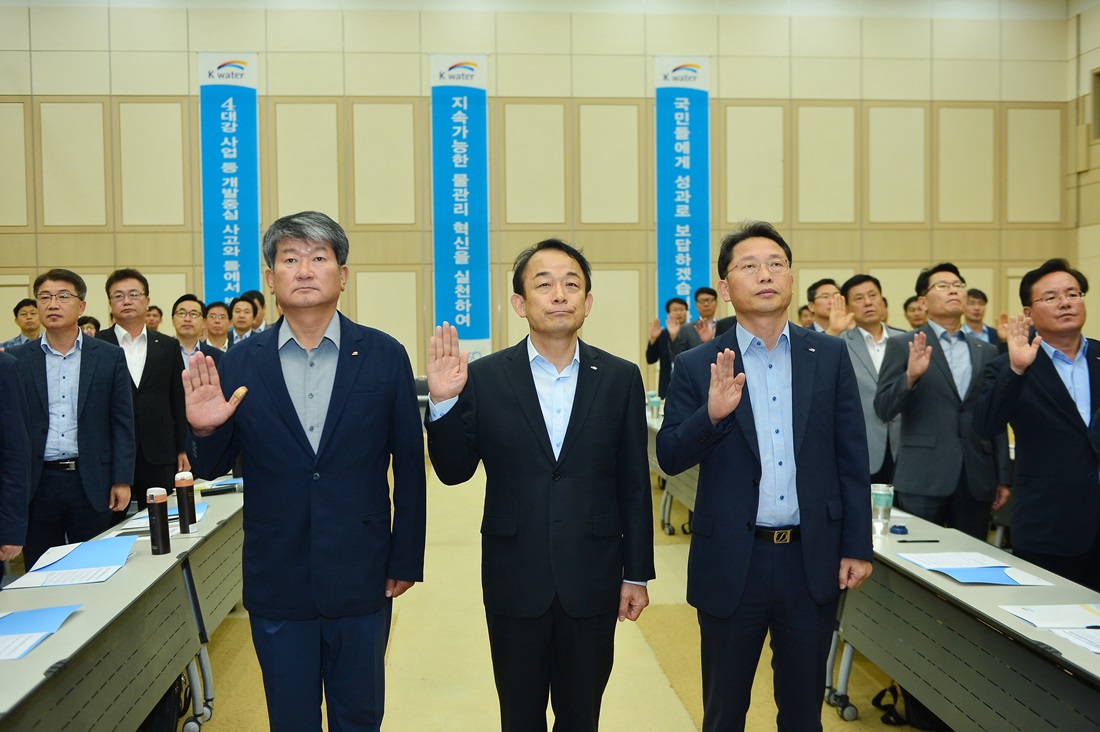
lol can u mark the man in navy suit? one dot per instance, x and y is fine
(81, 421)
(330, 405)
(1048, 388)
(771, 413)
(188, 319)
(15, 461)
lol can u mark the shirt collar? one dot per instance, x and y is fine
(123, 336)
(745, 338)
(1055, 353)
(532, 352)
(332, 332)
(47, 348)
(868, 337)
(939, 330)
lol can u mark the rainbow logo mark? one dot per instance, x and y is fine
(464, 66)
(233, 65)
(693, 68)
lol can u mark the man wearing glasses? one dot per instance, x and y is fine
(1048, 388)
(932, 376)
(217, 326)
(81, 422)
(155, 365)
(189, 319)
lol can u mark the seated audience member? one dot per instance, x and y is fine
(915, 312)
(867, 346)
(1046, 388)
(973, 320)
(805, 317)
(826, 304)
(15, 461)
(665, 344)
(188, 320)
(257, 298)
(26, 318)
(242, 314)
(153, 317)
(217, 325)
(89, 325)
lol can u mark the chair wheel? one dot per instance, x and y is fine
(848, 713)
(192, 725)
(669, 529)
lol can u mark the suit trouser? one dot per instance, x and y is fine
(1084, 569)
(557, 657)
(344, 657)
(958, 510)
(776, 599)
(60, 513)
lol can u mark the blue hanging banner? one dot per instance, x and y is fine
(682, 203)
(460, 198)
(229, 148)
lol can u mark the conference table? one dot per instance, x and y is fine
(134, 634)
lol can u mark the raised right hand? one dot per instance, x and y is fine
(654, 330)
(207, 409)
(725, 388)
(1021, 354)
(920, 356)
(447, 365)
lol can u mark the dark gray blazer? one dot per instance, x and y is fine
(867, 379)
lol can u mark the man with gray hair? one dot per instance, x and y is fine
(332, 404)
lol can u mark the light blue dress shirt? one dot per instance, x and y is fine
(957, 351)
(17, 341)
(1075, 375)
(310, 375)
(63, 389)
(768, 380)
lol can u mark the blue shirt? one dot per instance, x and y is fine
(17, 341)
(957, 352)
(310, 375)
(556, 391)
(768, 380)
(1075, 375)
(63, 389)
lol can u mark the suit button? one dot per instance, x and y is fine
(748, 525)
(316, 476)
(755, 483)
(556, 476)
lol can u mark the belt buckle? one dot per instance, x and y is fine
(783, 536)
(66, 466)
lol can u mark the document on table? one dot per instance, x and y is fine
(22, 630)
(1057, 616)
(78, 564)
(1087, 638)
(973, 568)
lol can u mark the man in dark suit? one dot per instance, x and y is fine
(330, 406)
(15, 461)
(974, 317)
(946, 473)
(1048, 388)
(567, 535)
(188, 317)
(665, 344)
(81, 422)
(770, 413)
(867, 347)
(154, 362)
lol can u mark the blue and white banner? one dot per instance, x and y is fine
(229, 146)
(682, 204)
(460, 198)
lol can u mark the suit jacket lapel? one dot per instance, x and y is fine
(271, 372)
(588, 384)
(39, 371)
(88, 359)
(743, 415)
(349, 361)
(939, 358)
(518, 373)
(803, 365)
(862, 355)
(1046, 376)
(975, 347)
(1093, 354)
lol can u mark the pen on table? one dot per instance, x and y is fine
(918, 541)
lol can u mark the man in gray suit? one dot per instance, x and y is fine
(932, 377)
(867, 347)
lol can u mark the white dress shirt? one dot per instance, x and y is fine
(135, 349)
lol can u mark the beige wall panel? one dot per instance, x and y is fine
(1088, 24)
(69, 29)
(1087, 63)
(15, 72)
(1036, 246)
(1035, 81)
(14, 249)
(15, 30)
(897, 79)
(1033, 170)
(826, 164)
(92, 251)
(817, 37)
(1034, 40)
(825, 78)
(13, 165)
(533, 33)
(305, 30)
(609, 166)
(829, 246)
(966, 183)
(157, 249)
(382, 74)
(609, 76)
(754, 35)
(305, 74)
(11, 294)
(1088, 261)
(393, 31)
(1088, 205)
(98, 307)
(308, 167)
(614, 323)
(148, 29)
(70, 72)
(949, 245)
(897, 245)
(533, 76)
(388, 248)
(897, 287)
(896, 165)
(151, 154)
(388, 301)
(755, 163)
(385, 164)
(457, 32)
(534, 163)
(897, 38)
(689, 35)
(226, 29)
(73, 159)
(954, 38)
(608, 33)
(754, 78)
(971, 81)
(141, 73)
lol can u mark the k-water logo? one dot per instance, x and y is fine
(461, 71)
(228, 70)
(684, 73)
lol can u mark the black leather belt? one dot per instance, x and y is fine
(778, 536)
(65, 466)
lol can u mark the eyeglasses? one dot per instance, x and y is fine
(217, 316)
(181, 313)
(1073, 296)
(748, 268)
(45, 298)
(944, 286)
(131, 295)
